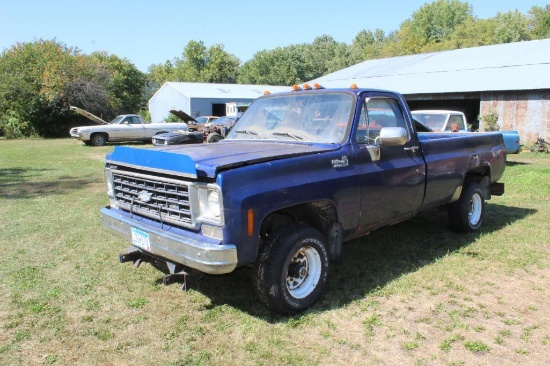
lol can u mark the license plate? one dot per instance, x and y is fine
(140, 239)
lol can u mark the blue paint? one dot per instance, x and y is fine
(154, 159)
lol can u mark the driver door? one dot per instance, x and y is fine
(392, 187)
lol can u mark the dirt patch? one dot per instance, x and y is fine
(495, 319)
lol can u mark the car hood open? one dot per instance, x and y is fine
(182, 115)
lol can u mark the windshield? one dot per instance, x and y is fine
(434, 121)
(203, 120)
(315, 117)
(224, 121)
(117, 120)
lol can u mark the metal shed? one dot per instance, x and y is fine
(203, 99)
(512, 80)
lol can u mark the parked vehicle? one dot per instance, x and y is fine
(213, 131)
(126, 127)
(454, 121)
(511, 141)
(442, 120)
(218, 129)
(300, 173)
(178, 138)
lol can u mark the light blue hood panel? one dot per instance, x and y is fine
(207, 159)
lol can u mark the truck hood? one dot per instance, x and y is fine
(206, 160)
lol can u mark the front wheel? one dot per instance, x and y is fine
(98, 139)
(213, 137)
(292, 270)
(466, 214)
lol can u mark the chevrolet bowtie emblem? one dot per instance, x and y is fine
(145, 196)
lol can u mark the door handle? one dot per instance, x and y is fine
(412, 148)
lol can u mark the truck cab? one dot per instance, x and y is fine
(442, 120)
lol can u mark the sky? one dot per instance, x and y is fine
(150, 32)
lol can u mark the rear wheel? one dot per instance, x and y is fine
(292, 270)
(98, 139)
(466, 214)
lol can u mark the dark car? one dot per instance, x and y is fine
(212, 132)
(178, 138)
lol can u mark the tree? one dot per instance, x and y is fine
(281, 66)
(41, 79)
(32, 78)
(472, 33)
(200, 65)
(432, 24)
(539, 22)
(126, 85)
(511, 27)
(157, 75)
(190, 66)
(368, 45)
(221, 67)
(320, 55)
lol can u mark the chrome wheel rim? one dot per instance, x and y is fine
(304, 272)
(474, 214)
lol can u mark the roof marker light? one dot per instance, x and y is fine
(317, 86)
(353, 86)
(295, 87)
(306, 87)
(267, 92)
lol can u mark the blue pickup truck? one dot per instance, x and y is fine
(301, 173)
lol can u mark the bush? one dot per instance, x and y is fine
(490, 121)
(12, 126)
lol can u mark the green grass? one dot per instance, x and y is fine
(413, 293)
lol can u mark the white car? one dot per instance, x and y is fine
(127, 127)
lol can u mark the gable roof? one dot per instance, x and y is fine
(511, 66)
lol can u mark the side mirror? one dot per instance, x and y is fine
(393, 136)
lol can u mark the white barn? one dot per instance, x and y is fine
(203, 99)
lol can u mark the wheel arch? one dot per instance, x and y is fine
(102, 133)
(478, 175)
(320, 215)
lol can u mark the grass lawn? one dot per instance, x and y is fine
(413, 293)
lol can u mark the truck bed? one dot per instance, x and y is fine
(447, 163)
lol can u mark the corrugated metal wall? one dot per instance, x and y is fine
(525, 111)
(164, 100)
(167, 98)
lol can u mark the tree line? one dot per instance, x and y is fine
(39, 80)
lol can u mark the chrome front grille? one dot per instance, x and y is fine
(162, 199)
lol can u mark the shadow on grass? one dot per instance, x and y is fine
(21, 183)
(370, 263)
(515, 163)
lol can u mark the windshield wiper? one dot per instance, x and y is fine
(287, 134)
(248, 132)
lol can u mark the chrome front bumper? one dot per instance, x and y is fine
(205, 257)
